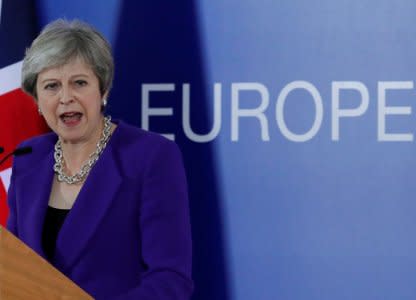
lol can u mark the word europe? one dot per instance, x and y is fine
(258, 113)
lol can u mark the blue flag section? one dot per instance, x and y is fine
(296, 124)
(18, 27)
(165, 50)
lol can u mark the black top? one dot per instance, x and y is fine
(54, 219)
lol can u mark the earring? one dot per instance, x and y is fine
(39, 111)
(105, 102)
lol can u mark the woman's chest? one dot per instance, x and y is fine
(63, 195)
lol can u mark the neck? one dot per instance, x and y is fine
(76, 154)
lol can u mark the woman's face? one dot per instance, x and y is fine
(69, 99)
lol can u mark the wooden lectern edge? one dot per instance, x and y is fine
(26, 275)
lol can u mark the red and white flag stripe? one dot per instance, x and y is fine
(10, 77)
(19, 120)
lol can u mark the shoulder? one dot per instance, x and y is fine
(139, 149)
(131, 138)
(41, 148)
(40, 145)
(41, 141)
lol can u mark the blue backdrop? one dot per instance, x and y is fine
(295, 119)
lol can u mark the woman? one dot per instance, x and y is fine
(104, 202)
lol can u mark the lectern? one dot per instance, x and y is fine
(26, 275)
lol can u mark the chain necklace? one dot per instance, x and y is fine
(58, 167)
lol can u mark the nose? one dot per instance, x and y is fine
(67, 96)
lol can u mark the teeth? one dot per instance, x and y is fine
(68, 116)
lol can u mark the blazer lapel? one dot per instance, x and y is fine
(94, 199)
(37, 189)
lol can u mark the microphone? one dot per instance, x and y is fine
(22, 151)
(16, 152)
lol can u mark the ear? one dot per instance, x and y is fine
(104, 102)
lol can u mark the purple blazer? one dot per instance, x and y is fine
(128, 234)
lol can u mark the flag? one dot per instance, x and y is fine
(19, 119)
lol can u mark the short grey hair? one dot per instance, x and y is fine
(58, 43)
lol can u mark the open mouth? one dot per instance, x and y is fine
(71, 118)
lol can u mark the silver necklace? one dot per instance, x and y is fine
(58, 167)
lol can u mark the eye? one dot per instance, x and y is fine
(81, 82)
(51, 86)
